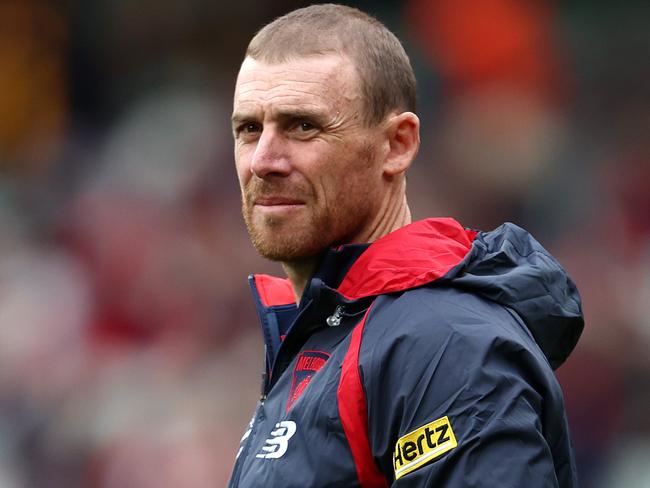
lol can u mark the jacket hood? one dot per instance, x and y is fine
(506, 265)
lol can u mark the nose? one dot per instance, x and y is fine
(271, 155)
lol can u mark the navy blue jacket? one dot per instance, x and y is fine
(423, 359)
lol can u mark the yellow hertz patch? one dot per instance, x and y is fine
(417, 448)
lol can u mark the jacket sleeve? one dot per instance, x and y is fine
(458, 395)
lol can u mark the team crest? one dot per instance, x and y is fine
(309, 363)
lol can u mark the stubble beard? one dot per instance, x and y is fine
(301, 237)
(279, 238)
(288, 241)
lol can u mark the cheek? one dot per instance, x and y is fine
(242, 166)
(361, 184)
(347, 182)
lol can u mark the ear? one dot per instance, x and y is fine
(403, 137)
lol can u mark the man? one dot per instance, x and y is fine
(397, 353)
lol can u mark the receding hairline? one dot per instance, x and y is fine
(385, 75)
(347, 63)
(335, 76)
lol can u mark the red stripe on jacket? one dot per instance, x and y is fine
(354, 414)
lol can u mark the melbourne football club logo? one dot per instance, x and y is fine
(308, 364)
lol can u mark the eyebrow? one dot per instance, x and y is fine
(317, 115)
(238, 118)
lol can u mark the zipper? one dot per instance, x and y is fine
(334, 320)
(242, 454)
(265, 386)
(280, 363)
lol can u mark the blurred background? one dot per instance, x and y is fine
(129, 348)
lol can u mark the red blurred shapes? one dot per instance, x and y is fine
(479, 42)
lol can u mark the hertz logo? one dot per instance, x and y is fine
(423, 445)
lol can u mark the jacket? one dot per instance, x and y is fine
(423, 359)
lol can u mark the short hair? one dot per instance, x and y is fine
(387, 80)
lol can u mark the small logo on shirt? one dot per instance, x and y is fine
(308, 364)
(425, 444)
(276, 445)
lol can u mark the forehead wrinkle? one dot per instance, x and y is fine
(282, 83)
(266, 89)
(329, 92)
(284, 101)
(248, 111)
(282, 74)
(289, 85)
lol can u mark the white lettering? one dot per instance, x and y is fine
(278, 443)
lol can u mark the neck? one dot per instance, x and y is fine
(299, 272)
(392, 217)
(393, 213)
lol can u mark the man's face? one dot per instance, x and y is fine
(308, 168)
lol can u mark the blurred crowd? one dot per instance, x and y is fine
(129, 348)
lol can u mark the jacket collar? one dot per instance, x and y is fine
(411, 256)
(334, 266)
(350, 276)
(506, 265)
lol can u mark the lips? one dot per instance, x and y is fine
(277, 201)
